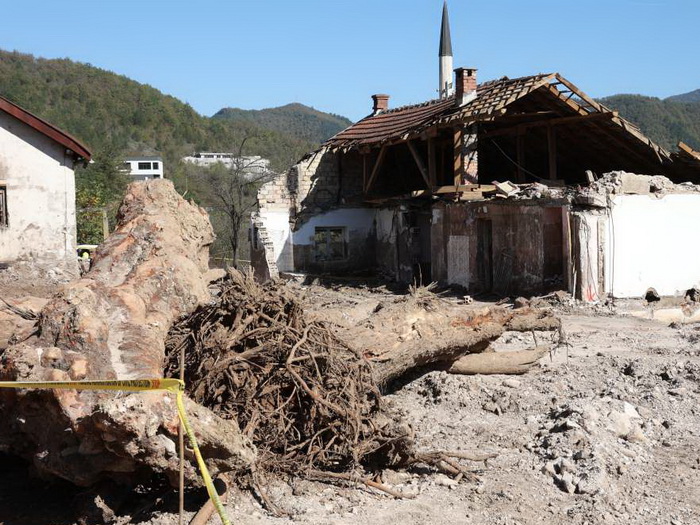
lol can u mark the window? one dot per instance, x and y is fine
(155, 165)
(126, 166)
(3, 206)
(329, 244)
(144, 165)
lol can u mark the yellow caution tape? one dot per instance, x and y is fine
(139, 385)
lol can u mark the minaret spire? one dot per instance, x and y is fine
(446, 87)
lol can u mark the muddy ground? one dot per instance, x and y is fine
(606, 430)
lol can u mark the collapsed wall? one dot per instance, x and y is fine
(112, 324)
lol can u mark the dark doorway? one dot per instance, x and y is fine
(484, 253)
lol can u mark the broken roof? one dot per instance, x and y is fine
(492, 101)
(45, 128)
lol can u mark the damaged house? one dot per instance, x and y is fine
(37, 189)
(497, 187)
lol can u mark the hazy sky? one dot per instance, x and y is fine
(333, 54)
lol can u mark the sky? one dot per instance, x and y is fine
(334, 54)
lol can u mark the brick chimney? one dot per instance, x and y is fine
(465, 85)
(381, 103)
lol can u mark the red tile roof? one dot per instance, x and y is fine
(51, 131)
(399, 123)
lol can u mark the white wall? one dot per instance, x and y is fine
(357, 221)
(655, 243)
(40, 185)
(278, 231)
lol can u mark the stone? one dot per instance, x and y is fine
(511, 383)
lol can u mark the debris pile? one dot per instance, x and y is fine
(302, 395)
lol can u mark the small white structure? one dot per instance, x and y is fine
(37, 189)
(253, 164)
(144, 167)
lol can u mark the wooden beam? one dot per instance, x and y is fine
(580, 93)
(462, 188)
(457, 155)
(364, 171)
(520, 151)
(551, 122)
(552, 151)
(419, 163)
(432, 175)
(375, 169)
(573, 105)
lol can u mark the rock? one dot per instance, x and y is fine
(635, 435)
(630, 410)
(591, 482)
(566, 465)
(620, 423)
(511, 383)
(565, 482)
(521, 302)
(678, 392)
(444, 481)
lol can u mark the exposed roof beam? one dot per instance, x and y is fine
(375, 170)
(419, 163)
(519, 128)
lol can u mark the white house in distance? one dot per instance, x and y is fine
(144, 167)
(37, 189)
(253, 164)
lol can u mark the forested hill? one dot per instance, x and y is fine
(296, 119)
(110, 111)
(666, 121)
(692, 96)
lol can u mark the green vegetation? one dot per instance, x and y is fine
(109, 111)
(295, 119)
(115, 116)
(665, 121)
(692, 96)
(98, 191)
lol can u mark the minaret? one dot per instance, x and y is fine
(446, 87)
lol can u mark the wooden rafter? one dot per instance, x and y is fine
(375, 169)
(519, 128)
(432, 171)
(419, 163)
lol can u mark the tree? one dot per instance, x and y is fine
(99, 188)
(232, 191)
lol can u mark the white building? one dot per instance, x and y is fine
(253, 164)
(144, 167)
(37, 188)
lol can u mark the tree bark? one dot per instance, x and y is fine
(452, 338)
(112, 324)
(498, 362)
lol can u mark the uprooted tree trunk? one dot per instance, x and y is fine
(111, 324)
(308, 393)
(444, 339)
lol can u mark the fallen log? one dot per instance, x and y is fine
(111, 324)
(498, 362)
(448, 339)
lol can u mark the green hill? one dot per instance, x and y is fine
(665, 121)
(295, 119)
(110, 111)
(692, 97)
